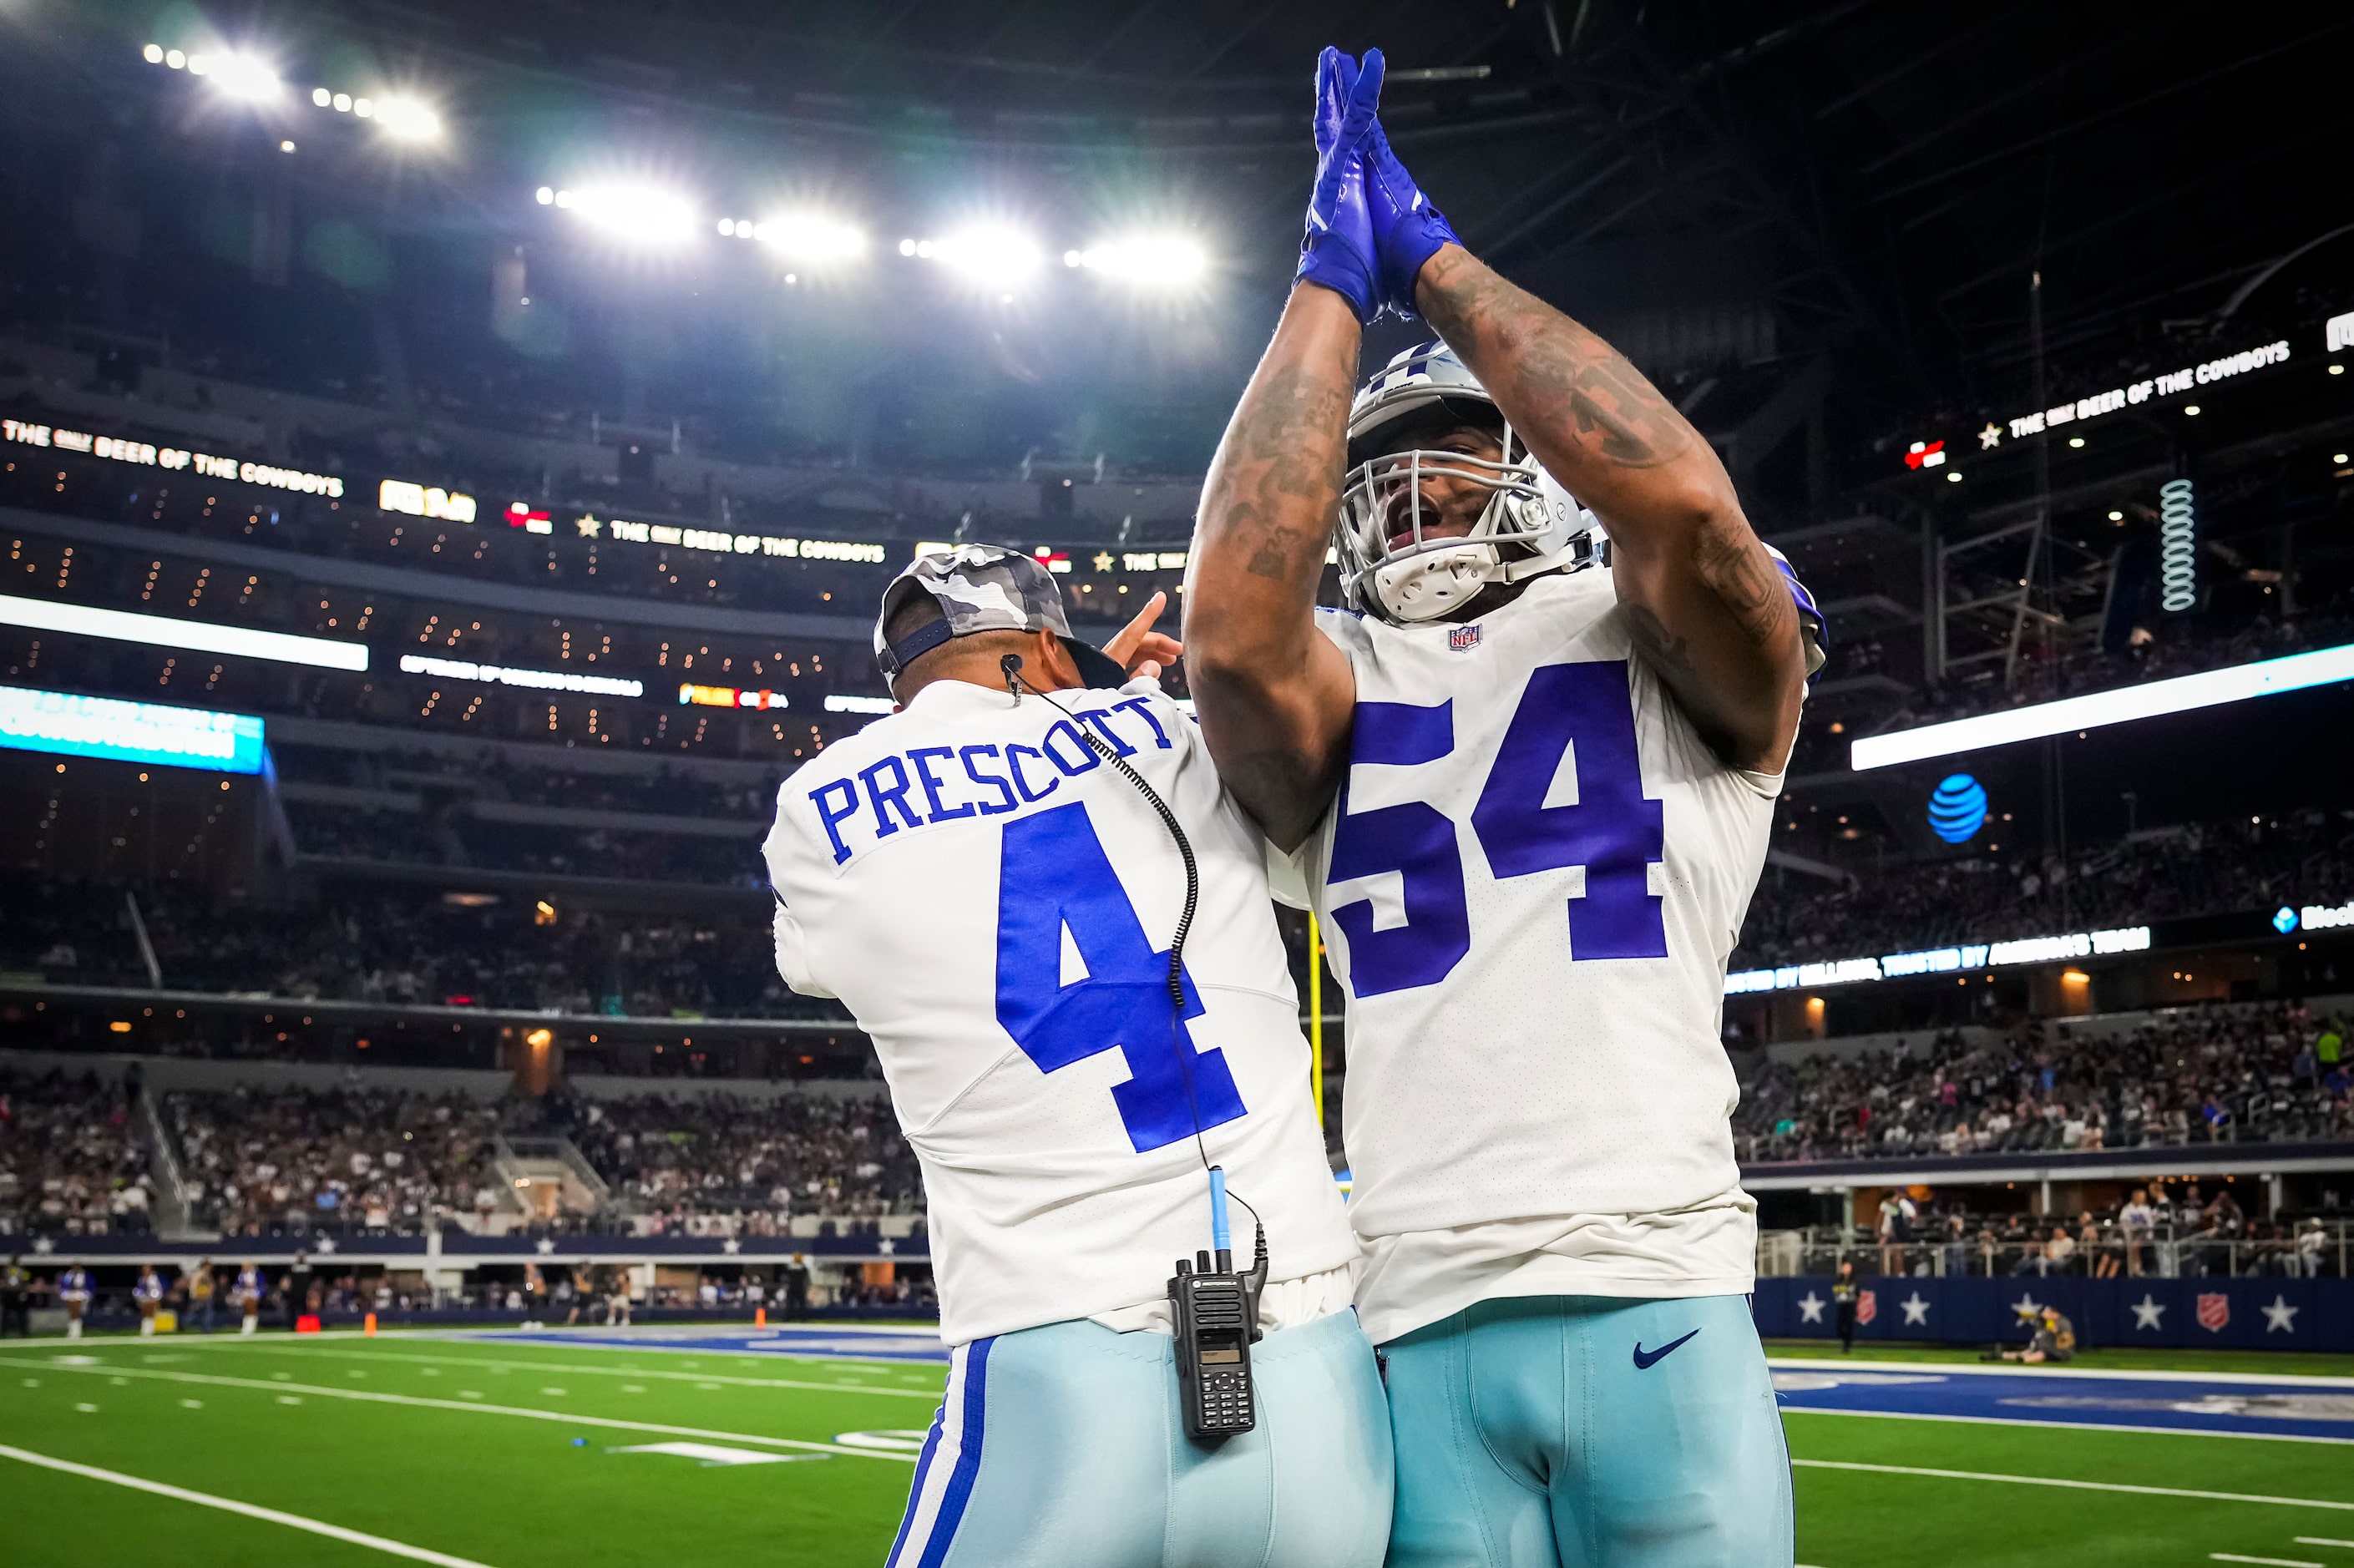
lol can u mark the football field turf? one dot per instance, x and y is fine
(572, 1453)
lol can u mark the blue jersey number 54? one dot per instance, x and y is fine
(1611, 830)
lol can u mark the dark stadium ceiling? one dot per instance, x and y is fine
(1723, 184)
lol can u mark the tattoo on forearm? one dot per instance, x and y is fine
(1277, 482)
(1604, 404)
(1735, 567)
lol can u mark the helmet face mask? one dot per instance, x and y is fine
(1401, 560)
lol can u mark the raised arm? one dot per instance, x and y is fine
(1273, 694)
(1709, 609)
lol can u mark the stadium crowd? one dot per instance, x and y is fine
(455, 838)
(362, 1159)
(368, 1159)
(402, 948)
(491, 774)
(2193, 869)
(2168, 1229)
(717, 1163)
(73, 1158)
(2247, 1074)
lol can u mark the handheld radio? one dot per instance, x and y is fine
(1216, 1308)
(1216, 1311)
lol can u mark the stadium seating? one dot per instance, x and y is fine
(74, 1157)
(717, 1156)
(404, 948)
(373, 1159)
(2191, 869)
(367, 1159)
(2245, 1074)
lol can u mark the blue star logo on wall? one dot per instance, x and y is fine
(2284, 919)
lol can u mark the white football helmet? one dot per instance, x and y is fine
(1530, 523)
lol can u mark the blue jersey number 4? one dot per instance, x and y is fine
(1054, 876)
(1582, 711)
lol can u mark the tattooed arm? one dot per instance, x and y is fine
(1708, 607)
(1273, 694)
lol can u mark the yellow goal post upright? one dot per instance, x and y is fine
(1316, 1013)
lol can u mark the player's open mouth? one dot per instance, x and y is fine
(1404, 537)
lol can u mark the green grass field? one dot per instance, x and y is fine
(509, 1454)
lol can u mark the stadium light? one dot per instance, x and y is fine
(991, 255)
(1157, 261)
(163, 631)
(2183, 694)
(238, 76)
(637, 212)
(408, 120)
(806, 237)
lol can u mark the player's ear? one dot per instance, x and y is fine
(1048, 654)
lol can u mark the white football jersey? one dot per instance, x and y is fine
(994, 902)
(1530, 883)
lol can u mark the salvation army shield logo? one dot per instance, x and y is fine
(1463, 638)
(1867, 1305)
(2215, 1312)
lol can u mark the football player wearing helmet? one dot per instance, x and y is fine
(1527, 773)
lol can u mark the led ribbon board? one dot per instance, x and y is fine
(200, 636)
(730, 698)
(1940, 961)
(129, 732)
(536, 680)
(2208, 689)
(720, 542)
(206, 464)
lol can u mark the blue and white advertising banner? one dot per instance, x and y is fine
(2264, 1312)
(129, 732)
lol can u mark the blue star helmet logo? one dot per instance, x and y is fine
(1958, 808)
(2284, 919)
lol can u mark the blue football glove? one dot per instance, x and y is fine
(1339, 251)
(1407, 230)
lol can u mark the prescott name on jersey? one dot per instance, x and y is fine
(994, 903)
(1531, 881)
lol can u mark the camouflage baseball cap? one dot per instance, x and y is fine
(978, 587)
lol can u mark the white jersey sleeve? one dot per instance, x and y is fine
(1530, 883)
(994, 903)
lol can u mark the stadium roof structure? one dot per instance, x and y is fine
(1875, 212)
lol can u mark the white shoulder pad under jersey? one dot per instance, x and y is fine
(994, 903)
(1531, 881)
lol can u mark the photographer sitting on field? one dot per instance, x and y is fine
(2055, 1340)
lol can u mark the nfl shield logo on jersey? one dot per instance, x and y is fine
(2215, 1312)
(1463, 638)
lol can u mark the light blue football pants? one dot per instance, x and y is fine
(1589, 1431)
(1064, 1446)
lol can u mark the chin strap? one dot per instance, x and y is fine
(1578, 552)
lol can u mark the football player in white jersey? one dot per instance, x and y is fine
(999, 880)
(1529, 780)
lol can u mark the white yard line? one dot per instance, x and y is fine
(2073, 1486)
(230, 1505)
(2060, 1425)
(530, 1366)
(2268, 1562)
(520, 1337)
(371, 1397)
